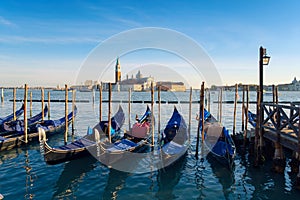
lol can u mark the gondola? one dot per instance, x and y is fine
(218, 140)
(82, 146)
(51, 126)
(174, 139)
(10, 117)
(17, 126)
(252, 118)
(136, 140)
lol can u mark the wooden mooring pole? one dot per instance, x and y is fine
(2, 95)
(93, 97)
(158, 126)
(218, 113)
(273, 93)
(30, 104)
(202, 111)
(243, 109)
(234, 110)
(49, 100)
(278, 159)
(129, 109)
(14, 103)
(66, 114)
(201, 121)
(42, 103)
(190, 112)
(258, 128)
(208, 100)
(73, 109)
(276, 94)
(246, 108)
(100, 102)
(109, 113)
(152, 113)
(25, 114)
(220, 104)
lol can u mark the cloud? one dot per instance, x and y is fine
(5, 22)
(48, 40)
(126, 22)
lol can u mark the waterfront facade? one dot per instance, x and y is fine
(135, 83)
(294, 86)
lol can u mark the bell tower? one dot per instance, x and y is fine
(118, 71)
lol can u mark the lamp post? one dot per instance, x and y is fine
(263, 60)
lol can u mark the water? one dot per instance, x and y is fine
(24, 174)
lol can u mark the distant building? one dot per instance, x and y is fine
(88, 83)
(139, 83)
(171, 86)
(116, 85)
(294, 86)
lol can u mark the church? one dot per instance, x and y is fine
(140, 83)
(137, 83)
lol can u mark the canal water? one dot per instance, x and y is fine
(25, 175)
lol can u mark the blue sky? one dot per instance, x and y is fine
(46, 42)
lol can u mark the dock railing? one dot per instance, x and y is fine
(281, 124)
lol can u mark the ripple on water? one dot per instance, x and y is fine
(188, 179)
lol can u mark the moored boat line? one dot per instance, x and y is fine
(285, 136)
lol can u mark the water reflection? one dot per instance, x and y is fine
(225, 176)
(71, 175)
(5, 156)
(30, 178)
(169, 177)
(79, 179)
(115, 183)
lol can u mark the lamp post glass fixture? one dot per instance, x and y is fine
(265, 58)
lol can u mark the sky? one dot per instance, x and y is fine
(46, 43)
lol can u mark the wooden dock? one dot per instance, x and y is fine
(281, 124)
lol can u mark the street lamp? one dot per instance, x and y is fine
(263, 60)
(266, 60)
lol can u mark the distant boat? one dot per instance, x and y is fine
(268, 93)
(85, 89)
(58, 88)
